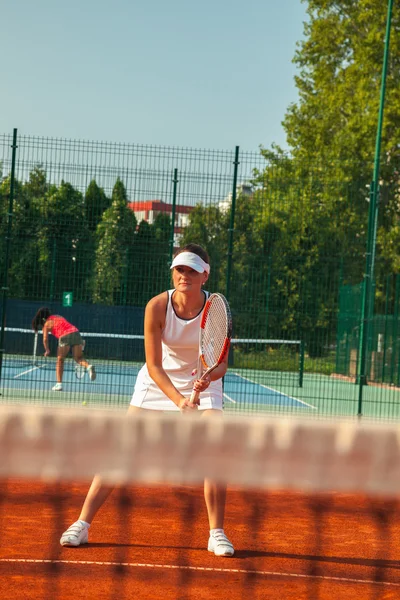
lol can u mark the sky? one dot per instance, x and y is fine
(212, 74)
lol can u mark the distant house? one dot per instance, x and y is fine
(242, 189)
(147, 210)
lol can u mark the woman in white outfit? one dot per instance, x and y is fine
(165, 382)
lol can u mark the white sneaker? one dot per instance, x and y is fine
(57, 387)
(219, 544)
(92, 372)
(75, 535)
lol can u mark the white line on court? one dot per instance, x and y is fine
(25, 372)
(229, 398)
(275, 391)
(191, 568)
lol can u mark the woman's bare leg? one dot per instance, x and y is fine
(95, 498)
(62, 352)
(214, 494)
(99, 491)
(77, 353)
(215, 497)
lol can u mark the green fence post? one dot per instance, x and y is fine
(53, 269)
(368, 293)
(301, 365)
(386, 327)
(268, 295)
(396, 342)
(232, 223)
(172, 233)
(126, 273)
(4, 288)
(338, 328)
(395, 329)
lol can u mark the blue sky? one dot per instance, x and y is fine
(210, 74)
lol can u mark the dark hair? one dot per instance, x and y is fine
(40, 318)
(196, 249)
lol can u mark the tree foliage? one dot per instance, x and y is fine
(316, 198)
(63, 240)
(115, 234)
(335, 120)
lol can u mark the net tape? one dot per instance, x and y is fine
(60, 444)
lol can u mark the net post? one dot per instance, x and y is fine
(35, 345)
(301, 363)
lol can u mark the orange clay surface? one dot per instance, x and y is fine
(152, 543)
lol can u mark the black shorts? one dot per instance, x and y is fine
(71, 339)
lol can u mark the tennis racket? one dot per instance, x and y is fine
(215, 336)
(79, 371)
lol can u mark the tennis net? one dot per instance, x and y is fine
(263, 374)
(311, 508)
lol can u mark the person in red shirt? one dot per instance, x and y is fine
(68, 338)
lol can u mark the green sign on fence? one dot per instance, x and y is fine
(67, 298)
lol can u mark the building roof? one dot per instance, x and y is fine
(159, 206)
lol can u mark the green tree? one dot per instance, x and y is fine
(309, 220)
(162, 229)
(115, 236)
(208, 226)
(149, 260)
(22, 273)
(340, 66)
(25, 275)
(144, 255)
(160, 276)
(317, 197)
(60, 239)
(96, 202)
(335, 120)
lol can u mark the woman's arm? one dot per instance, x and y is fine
(153, 325)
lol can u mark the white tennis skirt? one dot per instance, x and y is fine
(148, 395)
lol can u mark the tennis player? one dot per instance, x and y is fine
(68, 337)
(165, 382)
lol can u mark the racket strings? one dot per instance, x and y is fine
(215, 332)
(80, 371)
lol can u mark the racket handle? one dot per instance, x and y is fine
(194, 396)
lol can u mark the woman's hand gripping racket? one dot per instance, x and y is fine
(215, 337)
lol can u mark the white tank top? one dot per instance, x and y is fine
(180, 340)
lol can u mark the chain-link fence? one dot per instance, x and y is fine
(89, 229)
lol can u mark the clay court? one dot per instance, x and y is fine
(151, 543)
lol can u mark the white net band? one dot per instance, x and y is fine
(263, 453)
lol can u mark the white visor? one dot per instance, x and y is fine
(189, 259)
